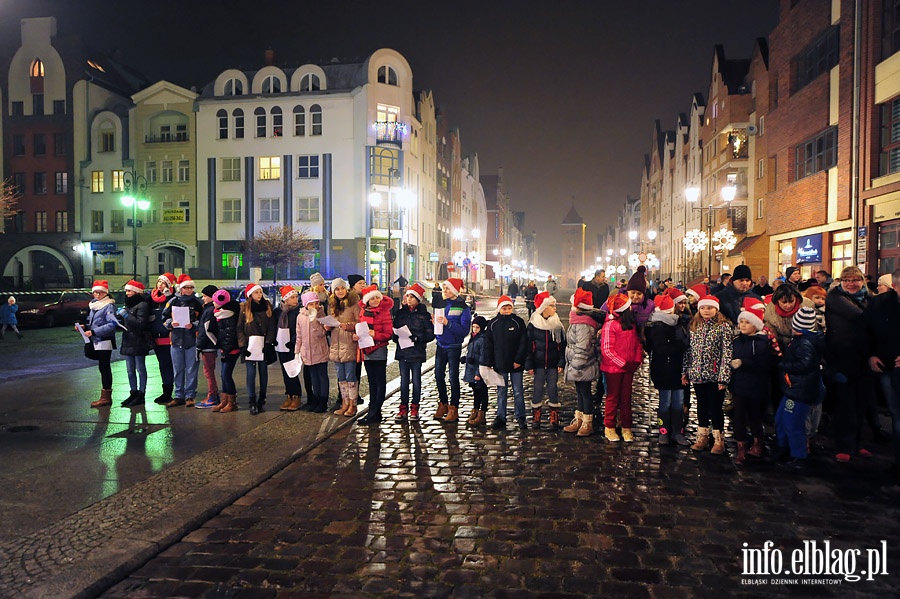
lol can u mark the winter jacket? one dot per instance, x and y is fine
(475, 357)
(882, 323)
(102, 322)
(708, 357)
(422, 329)
(642, 311)
(781, 325)
(530, 293)
(667, 340)
(801, 376)
(380, 323)
(846, 344)
(582, 348)
(136, 318)
(158, 303)
(599, 293)
(753, 374)
(543, 351)
(8, 314)
(312, 342)
(262, 325)
(343, 347)
(181, 337)
(205, 326)
(507, 343)
(226, 322)
(731, 300)
(459, 322)
(620, 350)
(288, 328)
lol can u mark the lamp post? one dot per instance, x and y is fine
(460, 235)
(134, 187)
(693, 241)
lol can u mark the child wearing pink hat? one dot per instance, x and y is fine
(312, 347)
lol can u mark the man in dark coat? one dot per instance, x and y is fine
(731, 297)
(599, 288)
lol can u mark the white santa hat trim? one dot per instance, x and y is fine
(548, 301)
(251, 290)
(708, 301)
(752, 318)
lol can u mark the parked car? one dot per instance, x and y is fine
(52, 307)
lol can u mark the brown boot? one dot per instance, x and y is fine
(342, 388)
(452, 414)
(295, 404)
(718, 447)
(223, 401)
(232, 405)
(575, 425)
(105, 399)
(587, 425)
(441, 411)
(473, 416)
(340, 411)
(702, 441)
(741, 453)
(757, 450)
(287, 403)
(480, 419)
(351, 409)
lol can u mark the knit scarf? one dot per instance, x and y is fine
(97, 304)
(160, 298)
(222, 313)
(285, 313)
(787, 313)
(552, 324)
(664, 317)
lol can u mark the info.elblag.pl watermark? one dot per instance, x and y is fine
(814, 563)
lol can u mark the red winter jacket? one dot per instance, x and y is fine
(380, 321)
(620, 350)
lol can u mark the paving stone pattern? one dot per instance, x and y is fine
(429, 509)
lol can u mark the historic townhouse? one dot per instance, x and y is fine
(472, 215)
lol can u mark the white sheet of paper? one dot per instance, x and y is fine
(211, 336)
(181, 315)
(103, 345)
(282, 338)
(438, 328)
(293, 368)
(255, 347)
(80, 329)
(330, 321)
(365, 339)
(491, 377)
(404, 337)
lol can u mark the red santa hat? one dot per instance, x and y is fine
(752, 302)
(708, 300)
(168, 278)
(370, 292)
(752, 311)
(417, 290)
(618, 302)
(698, 291)
(583, 300)
(453, 286)
(184, 280)
(100, 286)
(250, 289)
(504, 300)
(286, 292)
(767, 299)
(676, 294)
(665, 304)
(543, 300)
(135, 286)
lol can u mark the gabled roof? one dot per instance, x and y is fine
(339, 77)
(573, 218)
(734, 72)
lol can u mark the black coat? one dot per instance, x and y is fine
(730, 301)
(882, 324)
(291, 325)
(181, 337)
(507, 343)
(136, 340)
(801, 378)
(754, 373)
(227, 327)
(599, 293)
(206, 323)
(543, 351)
(422, 329)
(846, 343)
(665, 345)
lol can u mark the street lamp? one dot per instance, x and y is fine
(134, 187)
(696, 241)
(375, 200)
(467, 260)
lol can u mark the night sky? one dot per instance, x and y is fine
(562, 95)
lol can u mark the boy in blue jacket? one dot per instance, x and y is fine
(474, 359)
(456, 320)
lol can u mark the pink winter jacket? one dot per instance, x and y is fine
(312, 345)
(620, 350)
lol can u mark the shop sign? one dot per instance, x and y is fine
(103, 246)
(433, 257)
(174, 215)
(809, 248)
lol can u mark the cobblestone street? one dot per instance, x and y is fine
(427, 509)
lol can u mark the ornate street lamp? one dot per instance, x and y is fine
(134, 188)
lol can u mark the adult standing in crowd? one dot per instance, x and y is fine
(456, 321)
(847, 354)
(101, 334)
(824, 279)
(531, 292)
(183, 337)
(792, 275)
(550, 286)
(724, 279)
(513, 289)
(599, 289)
(135, 314)
(357, 282)
(762, 287)
(162, 345)
(731, 297)
(256, 320)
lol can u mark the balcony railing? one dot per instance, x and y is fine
(167, 137)
(390, 132)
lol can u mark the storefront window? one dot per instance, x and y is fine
(841, 252)
(888, 247)
(785, 254)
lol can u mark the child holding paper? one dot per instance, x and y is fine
(101, 333)
(376, 316)
(344, 306)
(312, 346)
(256, 320)
(182, 325)
(285, 339)
(415, 317)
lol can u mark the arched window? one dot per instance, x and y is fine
(299, 121)
(222, 118)
(234, 87)
(238, 115)
(276, 121)
(271, 85)
(37, 68)
(310, 83)
(315, 119)
(387, 75)
(260, 121)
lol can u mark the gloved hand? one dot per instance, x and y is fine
(122, 312)
(736, 363)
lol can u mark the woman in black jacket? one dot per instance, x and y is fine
(226, 315)
(667, 340)
(135, 314)
(413, 314)
(256, 319)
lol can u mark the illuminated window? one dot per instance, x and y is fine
(40, 222)
(37, 68)
(269, 167)
(96, 181)
(62, 222)
(118, 180)
(62, 183)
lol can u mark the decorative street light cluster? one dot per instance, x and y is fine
(468, 260)
(134, 187)
(723, 240)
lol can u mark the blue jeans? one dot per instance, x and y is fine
(137, 366)
(263, 368)
(546, 377)
(410, 370)
(346, 371)
(227, 371)
(319, 376)
(671, 404)
(443, 357)
(790, 426)
(185, 367)
(892, 398)
(518, 386)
